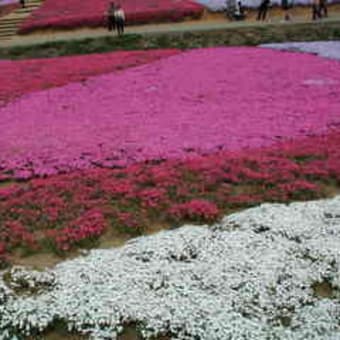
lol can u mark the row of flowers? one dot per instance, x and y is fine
(241, 98)
(65, 211)
(24, 76)
(76, 13)
(269, 272)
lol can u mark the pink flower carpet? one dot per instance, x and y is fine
(191, 103)
(195, 135)
(77, 13)
(24, 76)
(76, 209)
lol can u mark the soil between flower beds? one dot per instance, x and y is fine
(270, 272)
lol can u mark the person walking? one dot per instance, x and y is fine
(239, 11)
(120, 19)
(110, 14)
(316, 10)
(23, 3)
(323, 8)
(262, 11)
(286, 6)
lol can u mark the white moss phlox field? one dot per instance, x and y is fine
(249, 277)
(327, 49)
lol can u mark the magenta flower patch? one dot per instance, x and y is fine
(196, 102)
(24, 76)
(75, 209)
(76, 13)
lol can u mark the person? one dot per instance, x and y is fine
(239, 11)
(120, 19)
(316, 10)
(286, 6)
(111, 24)
(262, 11)
(230, 8)
(23, 3)
(323, 8)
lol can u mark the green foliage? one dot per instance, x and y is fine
(247, 35)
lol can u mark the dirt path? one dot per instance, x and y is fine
(209, 21)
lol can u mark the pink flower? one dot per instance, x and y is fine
(169, 117)
(53, 13)
(194, 210)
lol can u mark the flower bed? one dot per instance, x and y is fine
(271, 272)
(76, 13)
(66, 211)
(327, 49)
(241, 98)
(25, 76)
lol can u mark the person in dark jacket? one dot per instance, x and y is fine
(23, 3)
(286, 6)
(316, 10)
(110, 14)
(323, 8)
(262, 11)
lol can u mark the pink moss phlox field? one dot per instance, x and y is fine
(24, 76)
(78, 208)
(77, 13)
(191, 103)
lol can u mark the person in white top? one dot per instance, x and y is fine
(119, 19)
(239, 11)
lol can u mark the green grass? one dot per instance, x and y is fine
(236, 36)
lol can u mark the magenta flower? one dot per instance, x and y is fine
(76, 13)
(242, 98)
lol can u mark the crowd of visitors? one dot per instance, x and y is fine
(235, 10)
(115, 18)
(319, 9)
